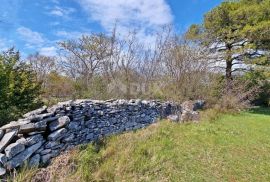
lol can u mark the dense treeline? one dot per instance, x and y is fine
(225, 60)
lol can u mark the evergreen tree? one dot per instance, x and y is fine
(19, 90)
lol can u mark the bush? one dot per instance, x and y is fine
(19, 90)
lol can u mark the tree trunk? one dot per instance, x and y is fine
(228, 76)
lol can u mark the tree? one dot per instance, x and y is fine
(238, 32)
(84, 57)
(42, 66)
(19, 89)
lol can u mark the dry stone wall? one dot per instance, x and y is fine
(44, 133)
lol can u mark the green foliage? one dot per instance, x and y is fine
(259, 78)
(19, 90)
(234, 21)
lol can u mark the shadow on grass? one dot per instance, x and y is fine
(260, 110)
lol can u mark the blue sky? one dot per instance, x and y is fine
(37, 25)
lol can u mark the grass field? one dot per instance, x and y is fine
(231, 148)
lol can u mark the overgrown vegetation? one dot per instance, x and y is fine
(224, 61)
(19, 89)
(229, 148)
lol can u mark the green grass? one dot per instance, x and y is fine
(232, 148)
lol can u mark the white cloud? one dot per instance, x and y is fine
(48, 51)
(61, 11)
(143, 15)
(29, 36)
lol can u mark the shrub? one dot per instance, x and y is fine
(19, 90)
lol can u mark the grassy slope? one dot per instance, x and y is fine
(233, 148)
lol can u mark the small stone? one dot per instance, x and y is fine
(13, 149)
(51, 144)
(74, 126)
(27, 128)
(46, 151)
(1, 134)
(33, 139)
(46, 158)
(3, 159)
(69, 138)
(35, 112)
(22, 141)
(61, 122)
(2, 171)
(90, 136)
(34, 161)
(6, 139)
(57, 134)
(23, 156)
(41, 125)
(174, 118)
(15, 124)
(35, 133)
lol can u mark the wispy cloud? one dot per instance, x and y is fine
(62, 11)
(143, 15)
(48, 51)
(70, 34)
(29, 36)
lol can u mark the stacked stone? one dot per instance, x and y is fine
(46, 132)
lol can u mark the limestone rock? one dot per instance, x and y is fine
(174, 118)
(57, 134)
(51, 144)
(13, 149)
(61, 122)
(35, 112)
(6, 139)
(27, 128)
(1, 134)
(3, 159)
(2, 171)
(46, 151)
(23, 156)
(34, 161)
(46, 158)
(15, 125)
(34, 139)
(190, 116)
(22, 141)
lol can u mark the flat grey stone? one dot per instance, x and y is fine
(15, 124)
(35, 112)
(34, 139)
(1, 134)
(69, 138)
(57, 134)
(13, 149)
(51, 144)
(34, 161)
(46, 158)
(60, 123)
(27, 128)
(23, 156)
(46, 151)
(3, 171)
(174, 118)
(6, 139)
(74, 126)
(33, 127)
(41, 125)
(3, 159)
(22, 141)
